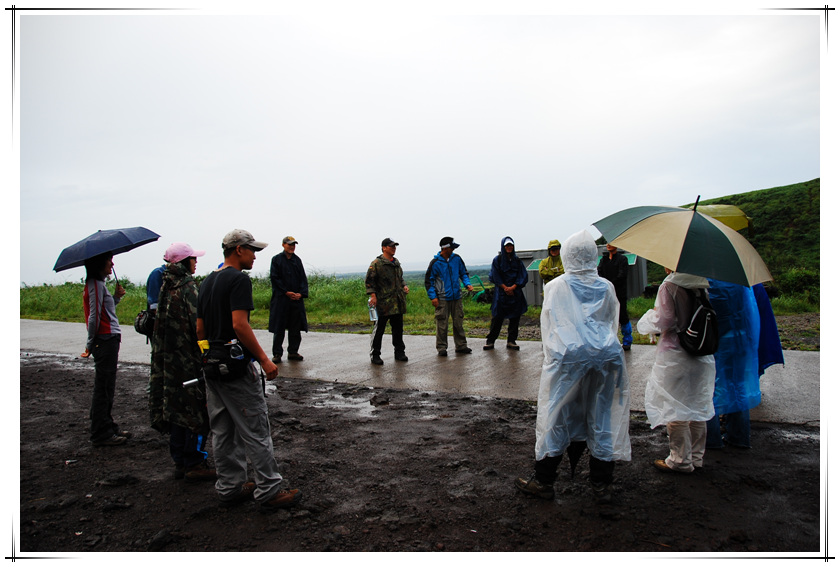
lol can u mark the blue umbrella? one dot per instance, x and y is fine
(113, 241)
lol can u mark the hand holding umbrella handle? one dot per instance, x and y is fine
(119, 290)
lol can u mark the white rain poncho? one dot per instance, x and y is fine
(584, 390)
(681, 387)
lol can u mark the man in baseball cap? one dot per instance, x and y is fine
(289, 287)
(225, 301)
(239, 237)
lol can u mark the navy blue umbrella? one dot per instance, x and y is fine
(112, 241)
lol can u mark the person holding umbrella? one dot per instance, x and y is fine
(103, 343)
(96, 254)
(681, 387)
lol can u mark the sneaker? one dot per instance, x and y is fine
(401, 357)
(663, 466)
(513, 346)
(489, 346)
(465, 350)
(376, 359)
(246, 493)
(441, 353)
(533, 487)
(110, 441)
(295, 356)
(199, 472)
(276, 359)
(283, 499)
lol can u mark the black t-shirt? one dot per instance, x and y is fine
(220, 294)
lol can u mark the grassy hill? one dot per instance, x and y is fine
(785, 231)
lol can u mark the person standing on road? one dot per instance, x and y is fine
(444, 276)
(681, 387)
(235, 393)
(289, 287)
(737, 367)
(508, 274)
(614, 267)
(386, 287)
(552, 266)
(103, 342)
(176, 358)
(584, 395)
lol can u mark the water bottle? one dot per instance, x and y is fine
(372, 310)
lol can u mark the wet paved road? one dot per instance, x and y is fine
(790, 394)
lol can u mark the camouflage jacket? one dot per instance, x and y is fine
(385, 279)
(176, 357)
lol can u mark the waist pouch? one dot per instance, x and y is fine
(220, 365)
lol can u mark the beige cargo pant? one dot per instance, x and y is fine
(445, 310)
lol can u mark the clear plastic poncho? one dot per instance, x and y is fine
(681, 387)
(584, 387)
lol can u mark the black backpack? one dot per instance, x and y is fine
(701, 336)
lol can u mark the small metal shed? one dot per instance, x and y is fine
(636, 278)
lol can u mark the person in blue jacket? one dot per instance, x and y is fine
(739, 359)
(443, 281)
(509, 276)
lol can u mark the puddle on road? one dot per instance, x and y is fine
(330, 398)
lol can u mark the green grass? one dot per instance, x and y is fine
(334, 304)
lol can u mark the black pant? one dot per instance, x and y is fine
(105, 354)
(186, 447)
(496, 328)
(600, 472)
(294, 337)
(396, 334)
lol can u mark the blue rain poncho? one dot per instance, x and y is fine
(736, 360)
(680, 386)
(584, 387)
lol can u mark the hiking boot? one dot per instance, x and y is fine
(489, 346)
(663, 466)
(283, 499)
(626, 348)
(513, 346)
(277, 358)
(199, 472)
(533, 487)
(178, 474)
(246, 493)
(376, 359)
(465, 350)
(110, 441)
(294, 356)
(126, 434)
(602, 492)
(441, 353)
(401, 357)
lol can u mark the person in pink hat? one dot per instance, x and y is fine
(180, 412)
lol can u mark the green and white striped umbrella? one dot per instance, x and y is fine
(684, 240)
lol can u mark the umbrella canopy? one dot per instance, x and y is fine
(113, 241)
(730, 215)
(686, 241)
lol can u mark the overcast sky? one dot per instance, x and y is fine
(342, 129)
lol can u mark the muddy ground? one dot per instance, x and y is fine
(394, 470)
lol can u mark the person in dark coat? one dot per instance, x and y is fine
(614, 267)
(289, 287)
(509, 276)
